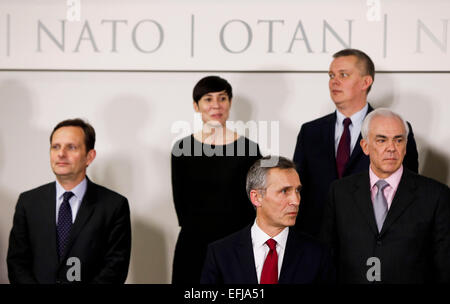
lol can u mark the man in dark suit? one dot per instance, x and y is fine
(268, 252)
(71, 230)
(388, 224)
(327, 148)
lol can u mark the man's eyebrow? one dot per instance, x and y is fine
(395, 136)
(384, 136)
(281, 188)
(340, 70)
(285, 187)
(290, 187)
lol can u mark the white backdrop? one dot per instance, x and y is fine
(133, 112)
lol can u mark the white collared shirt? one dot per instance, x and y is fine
(75, 200)
(354, 128)
(261, 250)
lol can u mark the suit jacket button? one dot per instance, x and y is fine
(379, 243)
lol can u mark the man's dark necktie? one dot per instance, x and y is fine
(343, 151)
(64, 224)
(269, 274)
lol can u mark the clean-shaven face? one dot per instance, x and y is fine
(385, 145)
(68, 156)
(347, 84)
(281, 199)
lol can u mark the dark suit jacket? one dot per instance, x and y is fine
(231, 261)
(100, 238)
(316, 164)
(414, 243)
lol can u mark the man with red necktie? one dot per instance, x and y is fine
(268, 251)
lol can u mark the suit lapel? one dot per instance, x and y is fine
(84, 213)
(48, 204)
(356, 153)
(244, 252)
(328, 143)
(363, 200)
(292, 254)
(357, 150)
(403, 198)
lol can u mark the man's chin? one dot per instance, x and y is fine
(336, 100)
(391, 168)
(291, 222)
(63, 176)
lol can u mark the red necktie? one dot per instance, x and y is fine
(343, 151)
(269, 274)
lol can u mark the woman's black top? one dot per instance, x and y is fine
(208, 184)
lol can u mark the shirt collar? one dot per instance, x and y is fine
(259, 237)
(393, 180)
(78, 191)
(356, 118)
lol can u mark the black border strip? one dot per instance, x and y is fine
(211, 71)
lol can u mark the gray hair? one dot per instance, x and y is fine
(257, 174)
(384, 112)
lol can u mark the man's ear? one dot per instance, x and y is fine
(90, 157)
(256, 198)
(367, 81)
(364, 146)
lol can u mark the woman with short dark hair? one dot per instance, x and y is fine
(209, 170)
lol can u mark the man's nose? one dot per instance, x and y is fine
(334, 81)
(295, 199)
(391, 146)
(62, 152)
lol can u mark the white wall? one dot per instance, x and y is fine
(133, 113)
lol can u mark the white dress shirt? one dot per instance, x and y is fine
(75, 200)
(354, 128)
(261, 250)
